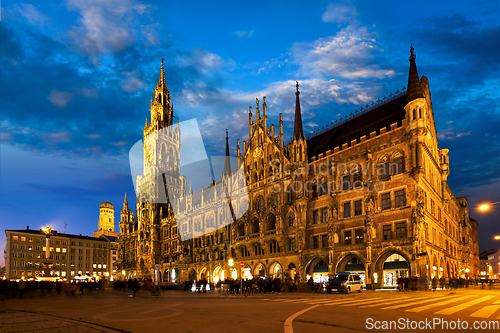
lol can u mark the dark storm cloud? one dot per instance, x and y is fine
(466, 52)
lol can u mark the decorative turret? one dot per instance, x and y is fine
(227, 160)
(125, 203)
(299, 144)
(297, 129)
(414, 89)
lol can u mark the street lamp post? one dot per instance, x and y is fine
(486, 206)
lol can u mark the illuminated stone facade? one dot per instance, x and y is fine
(366, 194)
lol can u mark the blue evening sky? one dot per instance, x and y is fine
(77, 77)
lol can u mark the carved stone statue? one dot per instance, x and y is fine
(370, 207)
(300, 237)
(420, 203)
(335, 213)
(368, 233)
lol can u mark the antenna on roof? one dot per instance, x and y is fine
(65, 225)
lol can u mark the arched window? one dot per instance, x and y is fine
(322, 189)
(241, 229)
(255, 226)
(271, 222)
(398, 165)
(291, 219)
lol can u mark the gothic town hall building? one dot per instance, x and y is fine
(367, 194)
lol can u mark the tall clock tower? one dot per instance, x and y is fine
(161, 168)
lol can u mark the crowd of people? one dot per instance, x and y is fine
(11, 289)
(406, 283)
(261, 284)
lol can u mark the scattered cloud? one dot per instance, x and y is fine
(107, 25)
(340, 14)
(33, 15)
(349, 55)
(60, 98)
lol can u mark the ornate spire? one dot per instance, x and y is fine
(227, 161)
(297, 130)
(161, 81)
(125, 203)
(414, 89)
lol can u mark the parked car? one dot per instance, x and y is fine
(345, 282)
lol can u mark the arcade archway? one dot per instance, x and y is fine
(259, 270)
(317, 269)
(389, 267)
(354, 264)
(276, 270)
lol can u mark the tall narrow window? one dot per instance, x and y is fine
(401, 230)
(348, 237)
(357, 207)
(314, 191)
(346, 183)
(399, 197)
(399, 166)
(324, 214)
(315, 242)
(347, 209)
(386, 201)
(323, 189)
(387, 232)
(384, 170)
(315, 217)
(356, 180)
(324, 241)
(358, 233)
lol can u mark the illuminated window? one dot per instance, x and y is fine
(348, 237)
(23, 239)
(51, 249)
(358, 234)
(14, 238)
(58, 249)
(104, 266)
(30, 239)
(64, 250)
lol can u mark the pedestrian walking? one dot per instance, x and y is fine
(130, 286)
